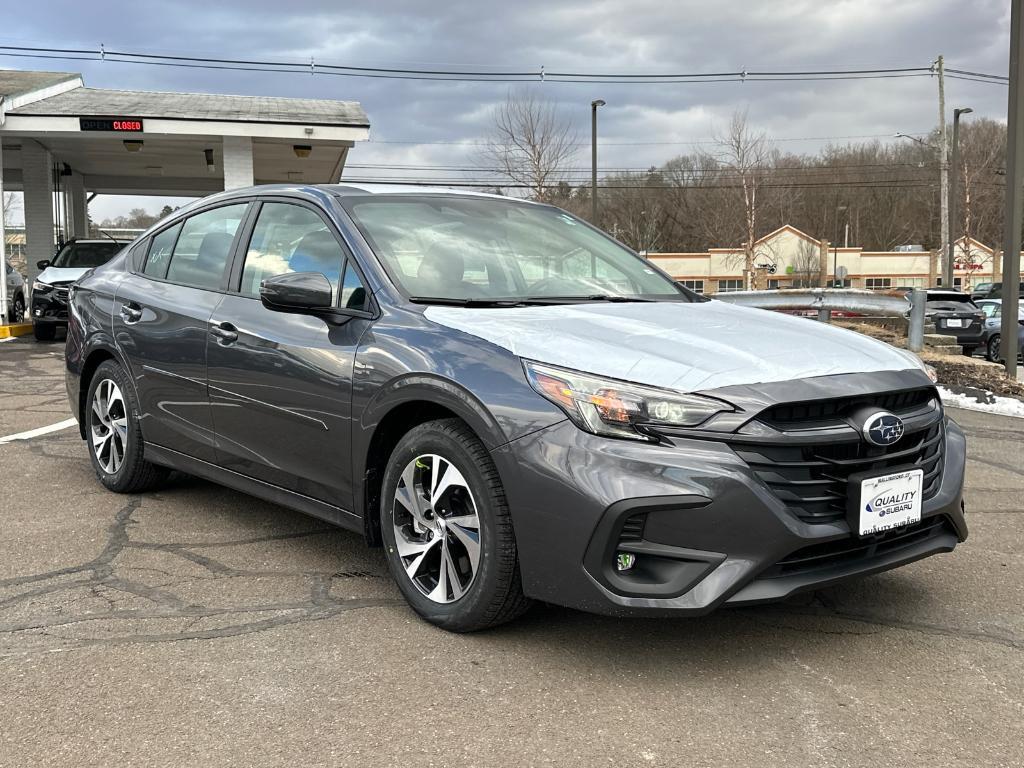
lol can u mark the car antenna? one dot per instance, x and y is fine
(104, 232)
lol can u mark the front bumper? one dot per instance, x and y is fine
(712, 532)
(51, 306)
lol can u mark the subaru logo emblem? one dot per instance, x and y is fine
(883, 428)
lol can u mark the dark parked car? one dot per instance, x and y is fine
(955, 314)
(511, 403)
(991, 291)
(993, 311)
(50, 288)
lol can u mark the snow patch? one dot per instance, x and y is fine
(971, 399)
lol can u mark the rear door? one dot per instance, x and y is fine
(161, 323)
(280, 383)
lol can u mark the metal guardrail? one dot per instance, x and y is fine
(825, 301)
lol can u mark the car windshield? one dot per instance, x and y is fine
(482, 250)
(80, 255)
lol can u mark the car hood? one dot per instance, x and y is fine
(687, 347)
(61, 274)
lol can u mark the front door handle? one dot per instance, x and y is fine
(226, 333)
(131, 312)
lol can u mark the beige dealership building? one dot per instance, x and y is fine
(789, 258)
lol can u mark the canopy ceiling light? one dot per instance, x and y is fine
(302, 150)
(133, 145)
(211, 166)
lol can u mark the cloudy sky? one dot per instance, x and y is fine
(440, 123)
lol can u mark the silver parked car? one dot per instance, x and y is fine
(992, 330)
(15, 295)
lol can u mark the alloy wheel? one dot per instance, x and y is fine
(437, 528)
(993, 348)
(109, 426)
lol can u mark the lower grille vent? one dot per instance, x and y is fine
(633, 528)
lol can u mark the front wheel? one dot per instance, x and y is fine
(19, 309)
(992, 349)
(447, 530)
(114, 435)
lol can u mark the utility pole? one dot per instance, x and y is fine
(593, 159)
(947, 262)
(1012, 220)
(954, 189)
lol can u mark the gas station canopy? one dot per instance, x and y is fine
(61, 142)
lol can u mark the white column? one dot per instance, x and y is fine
(3, 244)
(237, 162)
(78, 208)
(37, 180)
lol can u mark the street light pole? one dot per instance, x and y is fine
(1014, 190)
(593, 159)
(954, 184)
(947, 270)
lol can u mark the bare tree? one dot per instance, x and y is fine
(531, 143)
(807, 265)
(10, 204)
(746, 154)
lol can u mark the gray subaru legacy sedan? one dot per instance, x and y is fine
(512, 404)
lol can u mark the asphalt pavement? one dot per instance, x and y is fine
(195, 626)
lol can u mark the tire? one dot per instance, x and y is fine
(969, 351)
(44, 331)
(992, 349)
(19, 309)
(420, 529)
(113, 434)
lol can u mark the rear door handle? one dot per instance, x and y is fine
(131, 312)
(226, 333)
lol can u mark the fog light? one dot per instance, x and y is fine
(624, 561)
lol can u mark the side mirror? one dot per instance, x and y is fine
(305, 292)
(43, 263)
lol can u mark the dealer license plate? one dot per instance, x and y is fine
(955, 323)
(890, 501)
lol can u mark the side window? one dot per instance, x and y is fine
(160, 252)
(203, 247)
(353, 294)
(290, 238)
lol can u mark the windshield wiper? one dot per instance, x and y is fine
(445, 301)
(591, 297)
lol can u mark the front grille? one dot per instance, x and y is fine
(852, 549)
(812, 480)
(795, 415)
(60, 292)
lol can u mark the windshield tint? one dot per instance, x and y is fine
(456, 248)
(81, 255)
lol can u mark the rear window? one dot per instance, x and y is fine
(950, 302)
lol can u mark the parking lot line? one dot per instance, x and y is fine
(39, 431)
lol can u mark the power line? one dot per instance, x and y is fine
(476, 142)
(464, 75)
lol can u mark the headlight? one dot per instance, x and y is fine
(41, 287)
(618, 408)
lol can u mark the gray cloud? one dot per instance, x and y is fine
(607, 35)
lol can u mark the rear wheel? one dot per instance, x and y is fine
(114, 435)
(44, 331)
(447, 530)
(992, 350)
(969, 351)
(19, 309)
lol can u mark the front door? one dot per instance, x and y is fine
(161, 324)
(281, 384)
